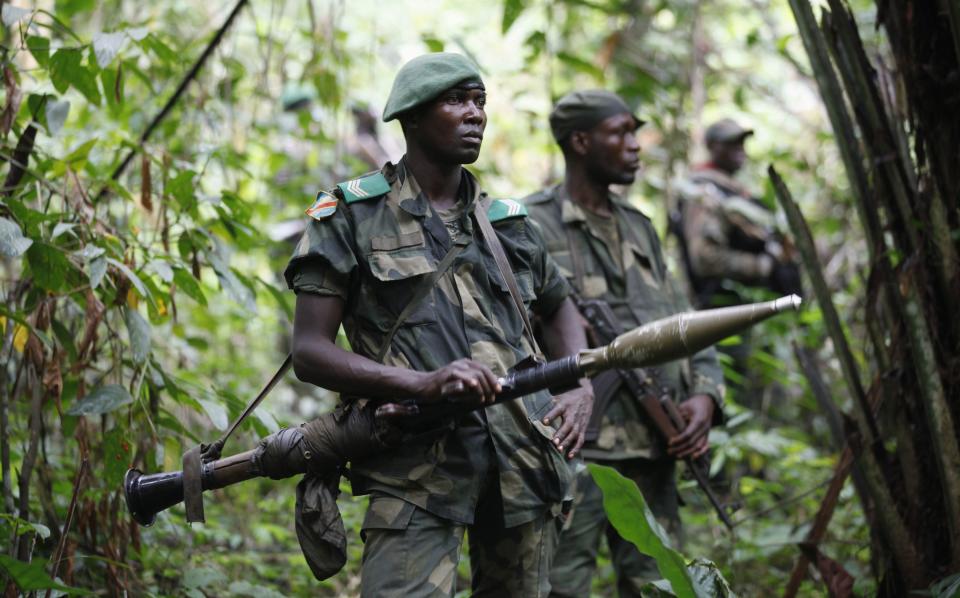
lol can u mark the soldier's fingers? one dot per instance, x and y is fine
(553, 413)
(566, 435)
(490, 377)
(581, 436)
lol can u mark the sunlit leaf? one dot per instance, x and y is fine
(216, 412)
(66, 71)
(106, 46)
(57, 112)
(117, 456)
(139, 331)
(630, 516)
(12, 241)
(102, 400)
(131, 276)
(96, 269)
(39, 47)
(511, 11)
(189, 285)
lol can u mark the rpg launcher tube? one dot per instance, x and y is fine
(674, 337)
(681, 335)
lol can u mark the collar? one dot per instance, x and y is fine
(411, 199)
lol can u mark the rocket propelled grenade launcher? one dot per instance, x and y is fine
(332, 444)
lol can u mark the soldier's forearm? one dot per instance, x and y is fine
(563, 331)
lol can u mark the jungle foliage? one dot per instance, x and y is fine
(157, 159)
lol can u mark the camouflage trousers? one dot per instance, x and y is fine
(411, 553)
(576, 557)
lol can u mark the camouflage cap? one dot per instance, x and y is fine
(424, 78)
(581, 110)
(725, 130)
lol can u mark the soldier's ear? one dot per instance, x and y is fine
(579, 143)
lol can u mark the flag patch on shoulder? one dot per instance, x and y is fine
(323, 207)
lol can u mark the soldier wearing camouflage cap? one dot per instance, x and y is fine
(397, 257)
(730, 240)
(609, 250)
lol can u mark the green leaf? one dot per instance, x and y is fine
(96, 269)
(102, 400)
(30, 577)
(630, 516)
(511, 11)
(216, 412)
(202, 577)
(106, 46)
(579, 64)
(189, 285)
(56, 113)
(49, 266)
(433, 44)
(117, 457)
(139, 331)
(68, 8)
(181, 188)
(39, 47)
(12, 241)
(66, 71)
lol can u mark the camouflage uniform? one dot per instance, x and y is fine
(727, 236)
(623, 265)
(493, 470)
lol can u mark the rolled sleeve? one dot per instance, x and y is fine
(325, 259)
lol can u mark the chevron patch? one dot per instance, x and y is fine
(323, 207)
(365, 187)
(501, 209)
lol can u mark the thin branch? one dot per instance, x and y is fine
(187, 79)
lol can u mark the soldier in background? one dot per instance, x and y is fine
(729, 240)
(609, 250)
(727, 233)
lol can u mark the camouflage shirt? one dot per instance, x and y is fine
(632, 277)
(726, 233)
(373, 251)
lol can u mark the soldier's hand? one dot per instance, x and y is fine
(574, 408)
(463, 381)
(694, 440)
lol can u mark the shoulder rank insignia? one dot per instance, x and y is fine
(501, 209)
(365, 187)
(324, 207)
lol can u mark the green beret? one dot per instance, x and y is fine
(725, 130)
(582, 110)
(424, 78)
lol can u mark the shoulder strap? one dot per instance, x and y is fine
(503, 265)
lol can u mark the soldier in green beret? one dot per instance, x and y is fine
(397, 257)
(609, 250)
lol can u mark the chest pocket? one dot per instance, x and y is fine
(645, 267)
(398, 265)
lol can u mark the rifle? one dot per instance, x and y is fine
(642, 384)
(356, 434)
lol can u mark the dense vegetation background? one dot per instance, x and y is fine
(142, 303)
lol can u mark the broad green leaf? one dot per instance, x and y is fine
(102, 400)
(161, 268)
(216, 412)
(189, 285)
(181, 188)
(96, 269)
(49, 266)
(106, 46)
(511, 11)
(66, 70)
(581, 65)
(433, 44)
(81, 152)
(117, 456)
(628, 513)
(139, 331)
(39, 47)
(61, 228)
(13, 14)
(68, 8)
(56, 112)
(12, 241)
(30, 577)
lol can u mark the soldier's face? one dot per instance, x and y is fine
(450, 129)
(612, 150)
(728, 155)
